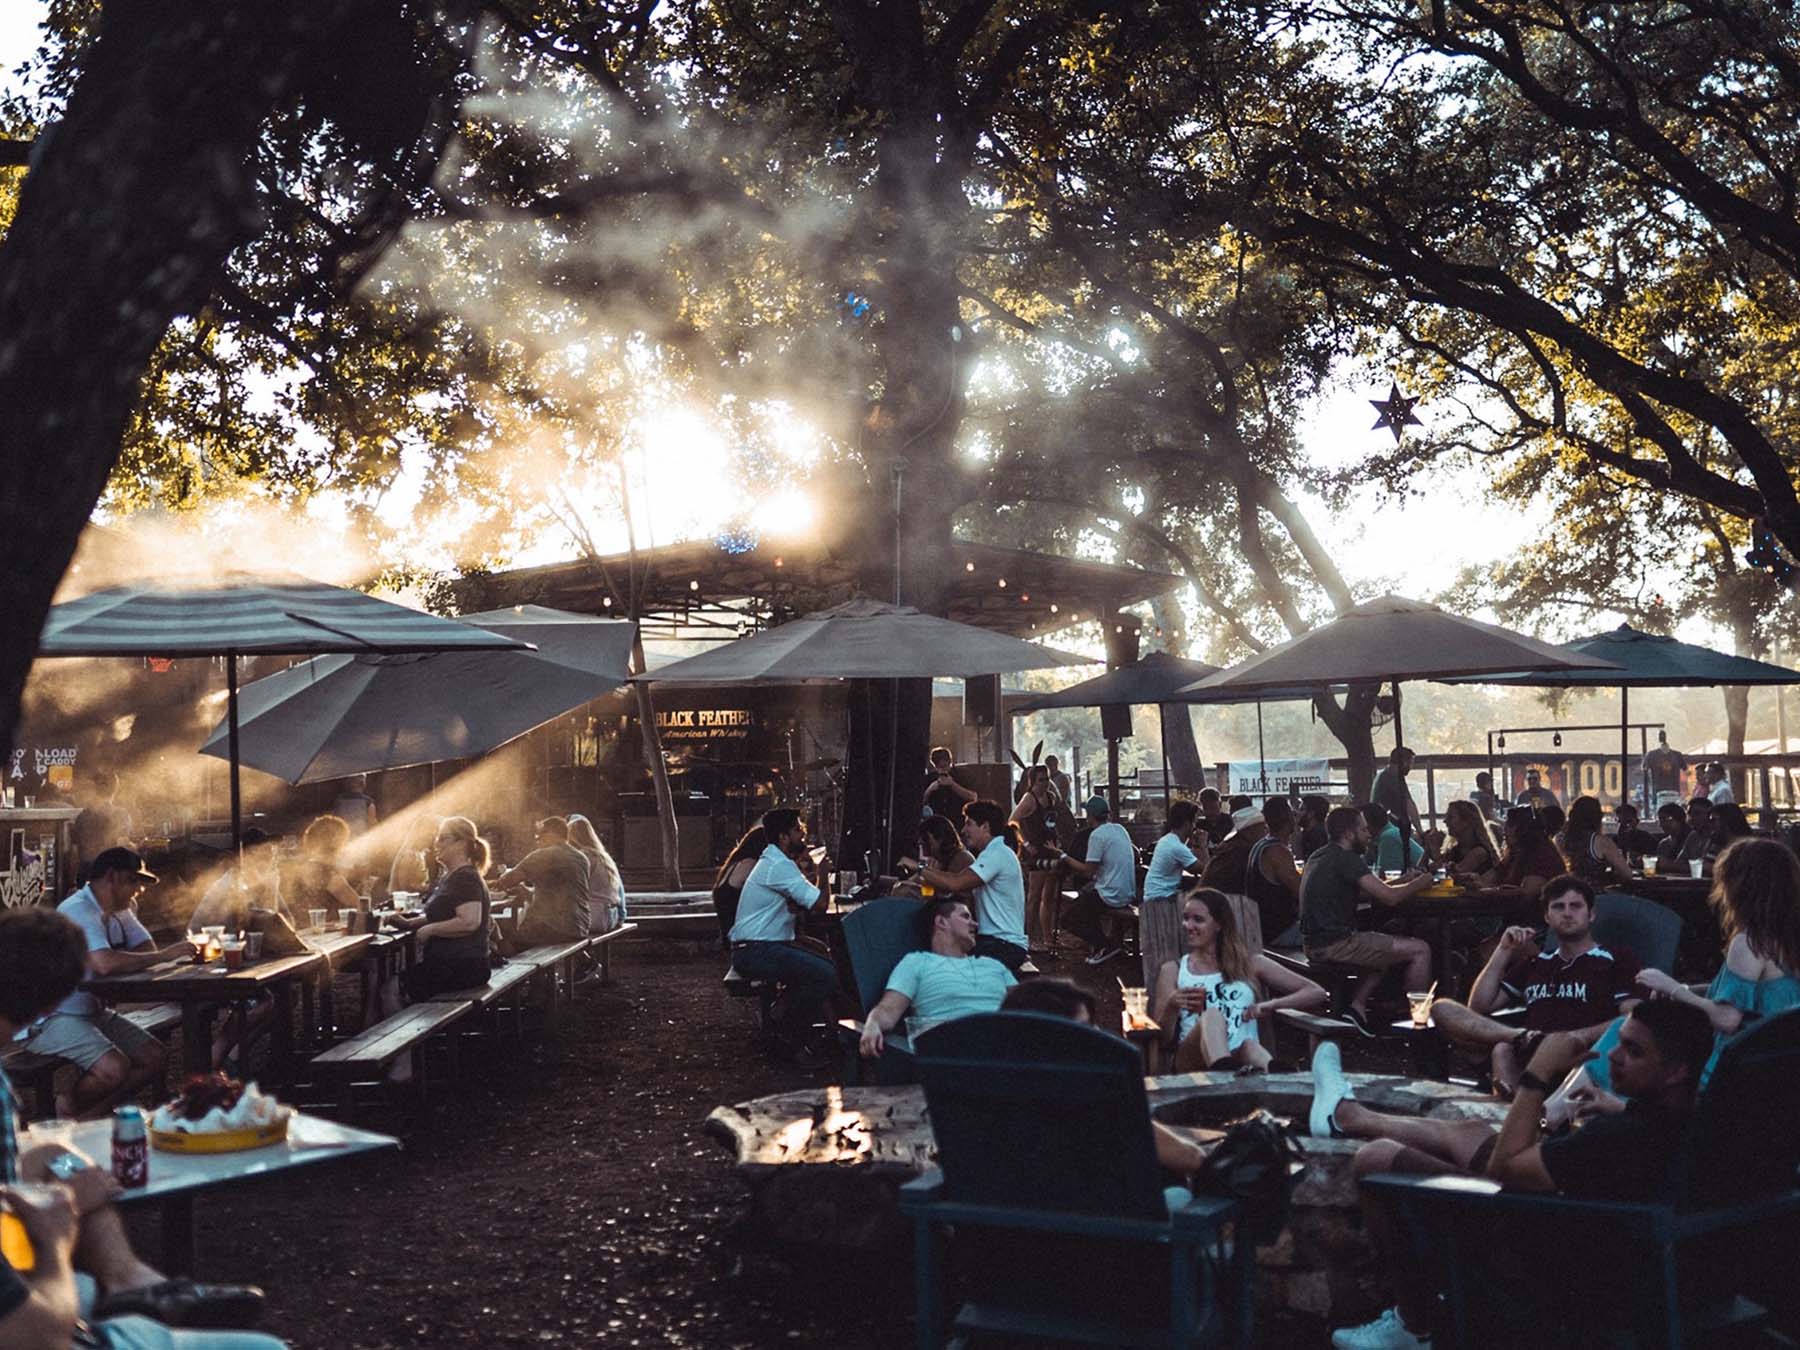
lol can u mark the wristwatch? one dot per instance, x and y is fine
(1528, 1079)
(64, 1166)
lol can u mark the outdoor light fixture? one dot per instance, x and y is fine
(693, 585)
(1556, 740)
(1053, 609)
(1002, 583)
(968, 567)
(1501, 743)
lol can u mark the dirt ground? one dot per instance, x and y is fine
(565, 1193)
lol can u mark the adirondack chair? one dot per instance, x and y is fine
(877, 934)
(1661, 1271)
(1652, 931)
(1047, 1172)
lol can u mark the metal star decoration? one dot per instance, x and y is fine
(1396, 412)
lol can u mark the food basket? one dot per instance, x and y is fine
(223, 1141)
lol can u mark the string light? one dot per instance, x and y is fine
(1053, 609)
(607, 601)
(693, 585)
(778, 562)
(968, 567)
(1025, 599)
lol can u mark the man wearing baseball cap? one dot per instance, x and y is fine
(1110, 869)
(114, 1057)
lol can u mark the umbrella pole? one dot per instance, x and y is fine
(231, 719)
(1262, 758)
(1625, 745)
(1162, 725)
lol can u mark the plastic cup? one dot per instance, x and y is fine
(1137, 1008)
(1649, 867)
(253, 946)
(1420, 1006)
(1696, 866)
(318, 918)
(233, 949)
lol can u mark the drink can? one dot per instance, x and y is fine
(130, 1147)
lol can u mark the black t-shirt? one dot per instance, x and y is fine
(458, 887)
(941, 798)
(1619, 1157)
(1330, 888)
(1665, 767)
(1564, 995)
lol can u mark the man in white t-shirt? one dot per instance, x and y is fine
(113, 1056)
(996, 881)
(1110, 869)
(944, 980)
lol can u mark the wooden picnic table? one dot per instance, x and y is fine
(1441, 911)
(339, 950)
(177, 1178)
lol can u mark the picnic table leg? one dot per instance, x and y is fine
(309, 1021)
(281, 1035)
(178, 1235)
(327, 1023)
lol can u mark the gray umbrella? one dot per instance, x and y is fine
(245, 615)
(338, 715)
(1641, 660)
(862, 639)
(1394, 639)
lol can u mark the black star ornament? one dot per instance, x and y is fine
(1396, 412)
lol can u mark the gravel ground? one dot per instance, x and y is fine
(565, 1193)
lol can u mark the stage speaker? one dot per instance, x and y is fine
(981, 700)
(1115, 721)
(992, 782)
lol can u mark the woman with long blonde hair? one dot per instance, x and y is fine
(1209, 1000)
(606, 891)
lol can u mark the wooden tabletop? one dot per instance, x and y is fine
(183, 980)
(339, 947)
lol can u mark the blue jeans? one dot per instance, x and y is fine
(809, 980)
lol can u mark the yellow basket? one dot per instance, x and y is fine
(1442, 891)
(225, 1141)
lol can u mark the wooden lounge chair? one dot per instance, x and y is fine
(1663, 1273)
(1047, 1172)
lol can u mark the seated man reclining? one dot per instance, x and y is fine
(942, 980)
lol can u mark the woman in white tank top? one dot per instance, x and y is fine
(1208, 1000)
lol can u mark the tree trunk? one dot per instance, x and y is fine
(1737, 706)
(138, 197)
(651, 734)
(1183, 752)
(1352, 723)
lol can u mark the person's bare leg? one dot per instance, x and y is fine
(103, 1251)
(1451, 1142)
(1412, 1297)
(1252, 1055)
(1204, 1046)
(95, 1091)
(1462, 1025)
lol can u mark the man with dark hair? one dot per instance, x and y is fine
(1534, 794)
(1679, 842)
(113, 1056)
(1391, 791)
(1051, 996)
(1391, 850)
(1332, 884)
(1486, 800)
(1214, 815)
(1633, 840)
(1663, 1046)
(996, 881)
(1314, 807)
(71, 1221)
(764, 943)
(1109, 869)
(254, 880)
(942, 980)
(1271, 877)
(1573, 984)
(1531, 859)
(555, 873)
(944, 796)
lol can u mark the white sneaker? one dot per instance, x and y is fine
(1386, 1332)
(1329, 1088)
(1102, 955)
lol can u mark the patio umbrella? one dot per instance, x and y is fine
(334, 716)
(862, 640)
(1642, 660)
(247, 615)
(1390, 640)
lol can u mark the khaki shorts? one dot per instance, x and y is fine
(83, 1041)
(1376, 951)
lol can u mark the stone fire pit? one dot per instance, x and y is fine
(823, 1167)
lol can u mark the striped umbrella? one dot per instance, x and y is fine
(244, 614)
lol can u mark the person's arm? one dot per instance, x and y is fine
(517, 876)
(141, 952)
(967, 879)
(801, 893)
(1487, 993)
(1169, 1000)
(1517, 1162)
(1176, 1154)
(883, 1018)
(466, 920)
(1383, 894)
(1725, 1017)
(1281, 863)
(1082, 868)
(1611, 855)
(46, 1318)
(1292, 990)
(341, 892)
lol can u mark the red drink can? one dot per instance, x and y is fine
(130, 1147)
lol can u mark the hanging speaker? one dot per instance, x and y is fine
(981, 700)
(1115, 721)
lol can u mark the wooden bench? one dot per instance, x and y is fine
(739, 985)
(597, 947)
(366, 1055)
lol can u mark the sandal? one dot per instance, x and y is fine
(183, 1303)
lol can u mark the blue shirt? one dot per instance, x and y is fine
(775, 882)
(1171, 857)
(120, 931)
(1000, 896)
(1388, 854)
(942, 987)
